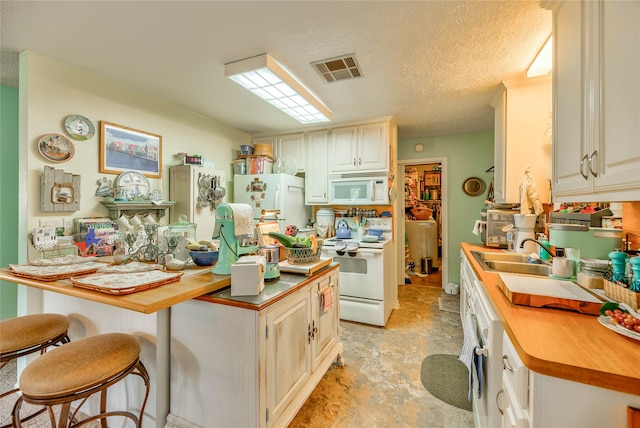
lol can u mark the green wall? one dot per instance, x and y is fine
(8, 195)
(468, 155)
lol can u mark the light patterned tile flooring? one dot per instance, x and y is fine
(380, 384)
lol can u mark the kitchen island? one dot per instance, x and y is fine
(242, 361)
(173, 329)
(591, 372)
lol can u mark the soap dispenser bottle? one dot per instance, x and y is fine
(544, 254)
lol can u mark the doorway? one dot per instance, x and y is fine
(427, 182)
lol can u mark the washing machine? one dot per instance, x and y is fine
(422, 236)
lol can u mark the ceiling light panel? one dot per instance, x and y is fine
(269, 80)
(338, 68)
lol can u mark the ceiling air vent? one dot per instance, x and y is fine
(338, 68)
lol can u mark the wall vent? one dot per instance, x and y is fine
(338, 68)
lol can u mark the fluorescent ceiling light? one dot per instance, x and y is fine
(266, 78)
(541, 65)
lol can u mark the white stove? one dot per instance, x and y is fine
(366, 283)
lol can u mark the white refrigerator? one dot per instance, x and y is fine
(282, 192)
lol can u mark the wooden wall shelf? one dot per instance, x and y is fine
(117, 208)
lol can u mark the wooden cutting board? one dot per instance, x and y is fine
(548, 292)
(307, 269)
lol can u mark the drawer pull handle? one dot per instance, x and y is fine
(585, 176)
(505, 363)
(591, 162)
(499, 401)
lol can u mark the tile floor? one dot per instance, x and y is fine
(380, 384)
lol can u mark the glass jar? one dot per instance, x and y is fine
(179, 235)
(591, 277)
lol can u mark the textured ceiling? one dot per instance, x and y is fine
(434, 65)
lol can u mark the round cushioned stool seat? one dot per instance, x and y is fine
(22, 333)
(79, 365)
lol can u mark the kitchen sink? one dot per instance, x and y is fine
(510, 263)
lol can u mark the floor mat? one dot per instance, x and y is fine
(449, 304)
(447, 378)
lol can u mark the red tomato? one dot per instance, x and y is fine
(636, 328)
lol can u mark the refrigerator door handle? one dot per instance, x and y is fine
(296, 188)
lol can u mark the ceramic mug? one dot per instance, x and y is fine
(562, 267)
(135, 220)
(124, 225)
(148, 219)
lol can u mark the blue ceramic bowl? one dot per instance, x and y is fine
(376, 232)
(204, 258)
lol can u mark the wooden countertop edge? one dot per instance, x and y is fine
(579, 371)
(191, 285)
(245, 305)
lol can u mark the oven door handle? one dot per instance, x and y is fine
(369, 254)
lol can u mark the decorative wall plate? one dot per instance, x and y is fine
(135, 185)
(79, 127)
(56, 147)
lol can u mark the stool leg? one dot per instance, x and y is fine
(142, 372)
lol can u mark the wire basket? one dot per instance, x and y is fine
(303, 255)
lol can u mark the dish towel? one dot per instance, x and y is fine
(478, 366)
(243, 219)
(327, 299)
(469, 345)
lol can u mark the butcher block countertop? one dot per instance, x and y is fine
(195, 282)
(562, 343)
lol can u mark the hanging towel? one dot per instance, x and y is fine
(478, 360)
(327, 298)
(242, 219)
(469, 345)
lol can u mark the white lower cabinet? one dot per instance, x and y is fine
(241, 367)
(533, 400)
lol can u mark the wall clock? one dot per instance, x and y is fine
(473, 186)
(132, 185)
(79, 127)
(418, 148)
(56, 147)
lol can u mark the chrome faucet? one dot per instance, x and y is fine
(539, 243)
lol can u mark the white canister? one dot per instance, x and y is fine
(325, 219)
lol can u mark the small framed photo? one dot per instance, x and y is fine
(128, 149)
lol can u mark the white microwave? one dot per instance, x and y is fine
(359, 191)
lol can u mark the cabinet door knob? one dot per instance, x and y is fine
(591, 162)
(585, 176)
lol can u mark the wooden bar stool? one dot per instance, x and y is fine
(78, 370)
(27, 334)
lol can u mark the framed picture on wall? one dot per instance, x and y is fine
(128, 149)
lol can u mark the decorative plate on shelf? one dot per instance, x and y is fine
(134, 183)
(79, 127)
(56, 147)
(606, 321)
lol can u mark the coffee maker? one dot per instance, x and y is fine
(525, 223)
(271, 254)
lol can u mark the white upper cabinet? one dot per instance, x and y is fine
(596, 142)
(316, 177)
(292, 145)
(522, 138)
(362, 148)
